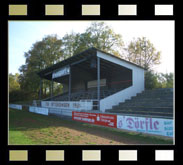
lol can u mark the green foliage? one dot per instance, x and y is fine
(155, 80)
(151, 80)
(166, 80)
(97, 35)
(143, 53)
(21, 96)
(42, 55)
(51, 50)
(15, 93)
(13, 82)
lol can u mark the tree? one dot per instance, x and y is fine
(104, 38)
(166, 80)
(13, 82)
(158, 80)
(151, 80)
(15, 93)
(98, 35)
(143, 53)
(51, 50)
(41, 55)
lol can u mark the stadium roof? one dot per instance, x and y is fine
(79, 59)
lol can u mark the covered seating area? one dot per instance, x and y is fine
(86, 76)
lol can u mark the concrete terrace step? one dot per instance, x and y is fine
(147, 109)
(159, 90)
(157, 102)
(155, 92)
(142, 113)
(148, 102)
(145, 112)
(135, 98)
(154, 96)
(147, 105)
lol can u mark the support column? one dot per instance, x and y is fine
(70, 79)
(98, 82)
(51, 88)
(40, 92)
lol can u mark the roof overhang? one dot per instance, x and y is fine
(74, 60)
(83, 59)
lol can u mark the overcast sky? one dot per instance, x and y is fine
(22, 34)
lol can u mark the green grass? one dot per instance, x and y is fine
(18, 137)
(30, 128)
(142, 138)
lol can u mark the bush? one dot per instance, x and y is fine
(155, 80)
(19, 95)
(151, 80)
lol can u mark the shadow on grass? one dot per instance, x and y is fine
(27, 121)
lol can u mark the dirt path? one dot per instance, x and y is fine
(76, 133)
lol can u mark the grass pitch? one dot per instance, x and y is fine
(27, 128)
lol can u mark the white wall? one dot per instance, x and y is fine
(121, 96)
(61, 112)
(68, 105)
(39, 110)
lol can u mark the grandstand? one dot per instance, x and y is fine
(98, 77)
(90, 94)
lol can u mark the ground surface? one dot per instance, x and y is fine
(30, 128)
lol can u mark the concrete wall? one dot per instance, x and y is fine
(68, 105)
(121, 96)
(15, 106)
(39, 110)
(60, 112)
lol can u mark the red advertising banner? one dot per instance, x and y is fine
(96, 118)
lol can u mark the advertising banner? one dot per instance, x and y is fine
(92, 84)
(70, 105)
(15, 106)
(61, 72)
(155, 126)
(95, 118)
(39, 110)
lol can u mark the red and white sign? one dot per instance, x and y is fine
(96, 118)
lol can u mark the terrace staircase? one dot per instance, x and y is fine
(151, 103)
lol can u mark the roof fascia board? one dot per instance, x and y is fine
(39, 73)
(116, 60)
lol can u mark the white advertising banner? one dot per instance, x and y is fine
(61, 72)
(70, 105)
(15, 106)
(39, 110)
(155, 126)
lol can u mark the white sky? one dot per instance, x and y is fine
(22, 34)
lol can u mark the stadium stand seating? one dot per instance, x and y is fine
(91, 94)
(154, 103)
(157, 102)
